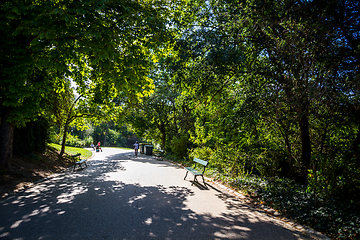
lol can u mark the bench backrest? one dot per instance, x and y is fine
(76, 155)
(202, 162)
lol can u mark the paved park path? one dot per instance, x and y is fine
(120, 196)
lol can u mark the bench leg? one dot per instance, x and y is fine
(186, 174)
(194, 179)
(203, 179)
(85, 165)
(75, 166)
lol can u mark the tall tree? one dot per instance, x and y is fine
(109, 42)
(297, 44)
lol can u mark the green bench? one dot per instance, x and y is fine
(196, 172)
(78, 161)
(159, 154)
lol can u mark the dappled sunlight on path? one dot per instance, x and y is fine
(120, 196)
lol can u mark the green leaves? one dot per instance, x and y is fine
(103, 42)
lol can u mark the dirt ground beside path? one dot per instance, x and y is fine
(24, 171)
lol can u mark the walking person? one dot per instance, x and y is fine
(98, 147)
(136, 147)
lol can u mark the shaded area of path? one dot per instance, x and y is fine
(125, 197)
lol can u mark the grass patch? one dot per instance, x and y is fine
(85, 154)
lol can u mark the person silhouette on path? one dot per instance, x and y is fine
(136, 147)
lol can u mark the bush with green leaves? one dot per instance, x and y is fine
(337, 219)
(115, 138)
(227, 160)
(74, 141)
(204, 153)
(336, 177)
(179, 146)
(87, 141)
(54, 136)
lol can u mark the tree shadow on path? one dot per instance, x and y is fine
(83, 205)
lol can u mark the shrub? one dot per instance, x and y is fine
(337, 219)
(179, 146)
(74, 141)
(88, 140)
(115, 138)
(54, 137)
(204, 153)
(337, 177)
(31, 138)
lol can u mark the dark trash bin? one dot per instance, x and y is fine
(148, 149)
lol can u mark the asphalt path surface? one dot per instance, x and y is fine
(120, 196)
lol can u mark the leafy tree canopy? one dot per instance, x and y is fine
(105, 46)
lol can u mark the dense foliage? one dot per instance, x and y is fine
(262, 88)
(31, 138)
(108, 134)
(270, 89)
(338, 219)
(105, 47)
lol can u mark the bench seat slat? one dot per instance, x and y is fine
(193, 171)
(80, 161)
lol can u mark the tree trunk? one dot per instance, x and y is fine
(161, 127)
(305, 144)
(106, 132)
(163, 135)
(6, 140)
(287, 166)
(354, 148)
(63, 142)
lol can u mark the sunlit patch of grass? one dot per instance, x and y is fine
(85, 154)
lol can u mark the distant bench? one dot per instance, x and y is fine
(159, 154)
(196, 172)
(77, 160)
